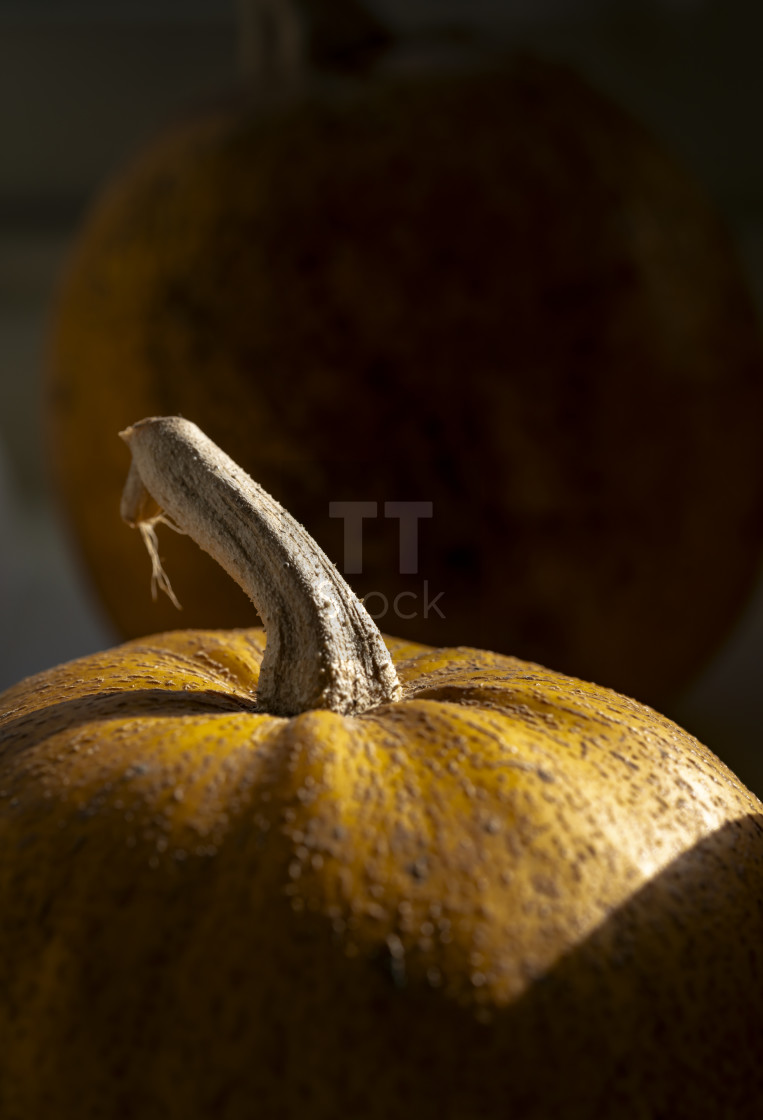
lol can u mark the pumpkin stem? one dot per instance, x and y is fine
(323, 648)
(279, 39)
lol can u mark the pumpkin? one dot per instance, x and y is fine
(359, 877)
(471, 282)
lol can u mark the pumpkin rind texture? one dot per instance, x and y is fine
(511, 893)
(487, 288)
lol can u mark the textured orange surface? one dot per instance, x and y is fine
(511, 893)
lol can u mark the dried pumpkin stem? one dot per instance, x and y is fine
(279, 40)
(271, 40)
(323, 648)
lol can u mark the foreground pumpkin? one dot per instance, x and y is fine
(535, 312)
(358, 879)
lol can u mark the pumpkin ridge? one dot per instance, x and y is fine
(102, 706)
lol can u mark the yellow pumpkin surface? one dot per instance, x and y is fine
(511, 893)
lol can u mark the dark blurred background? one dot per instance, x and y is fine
(82, 85)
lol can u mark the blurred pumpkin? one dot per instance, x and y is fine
(457, 279)
(503, 892)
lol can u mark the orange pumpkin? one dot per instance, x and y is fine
(476, 284)
(446, 884)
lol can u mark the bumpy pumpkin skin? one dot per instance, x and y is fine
(512, 893)
(489, 290)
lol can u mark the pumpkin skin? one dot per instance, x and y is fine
(511, 893)
(486, 288)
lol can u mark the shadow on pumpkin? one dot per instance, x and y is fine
(659, 1013)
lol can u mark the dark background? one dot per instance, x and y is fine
(83, 85)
